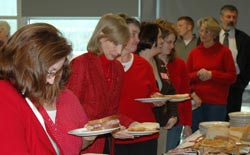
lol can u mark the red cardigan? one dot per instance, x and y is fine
(217, 59)
(97, 83)
(179, 76)
(21, 133)
(139, 82)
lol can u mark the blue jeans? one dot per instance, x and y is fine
(173, 137)
(208, 112)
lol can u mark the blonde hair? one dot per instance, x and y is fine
(5, 26)
(211, 24)
(112, 27)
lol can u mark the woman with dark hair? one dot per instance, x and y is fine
(150, 37)
(150, 46)
(36, 110)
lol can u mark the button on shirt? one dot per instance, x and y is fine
(232, 45)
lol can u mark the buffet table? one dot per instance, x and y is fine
(185, 148)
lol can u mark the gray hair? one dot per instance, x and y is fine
(228, 7)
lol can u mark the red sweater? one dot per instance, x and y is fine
(97, 83)
(218, 59)
(179, 76)
(69, 116)
(20, 132)
(139, 82)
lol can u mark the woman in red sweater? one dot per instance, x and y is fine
(212, 70)
(26, 62)
(96, 77)
(139, 82)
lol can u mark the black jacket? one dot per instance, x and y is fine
(164, 113)
(243, 56)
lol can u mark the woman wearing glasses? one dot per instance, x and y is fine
(212, 70)
(36, 112)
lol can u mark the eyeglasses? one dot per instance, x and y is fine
(206, 32)
(53, 73)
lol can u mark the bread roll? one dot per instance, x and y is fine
(178, 96)
(146, 126)
(104, 123)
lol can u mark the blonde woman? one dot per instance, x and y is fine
(96, 76)
(212, 71)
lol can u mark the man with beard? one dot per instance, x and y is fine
(239, 44)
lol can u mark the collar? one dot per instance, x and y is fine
(231, 33)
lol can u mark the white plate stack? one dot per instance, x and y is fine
(239, 118)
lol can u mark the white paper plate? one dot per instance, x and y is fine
(142, 133)
(85, 132)
(150, 100)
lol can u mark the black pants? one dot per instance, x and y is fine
(142, 148)
(234, 99)
(108, 144)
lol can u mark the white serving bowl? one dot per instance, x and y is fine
(239, 115)
(203, 126)
(239, 118)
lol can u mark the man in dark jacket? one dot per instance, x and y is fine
(239, 44)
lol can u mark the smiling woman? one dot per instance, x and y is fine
(209, 30)
(210, 65)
